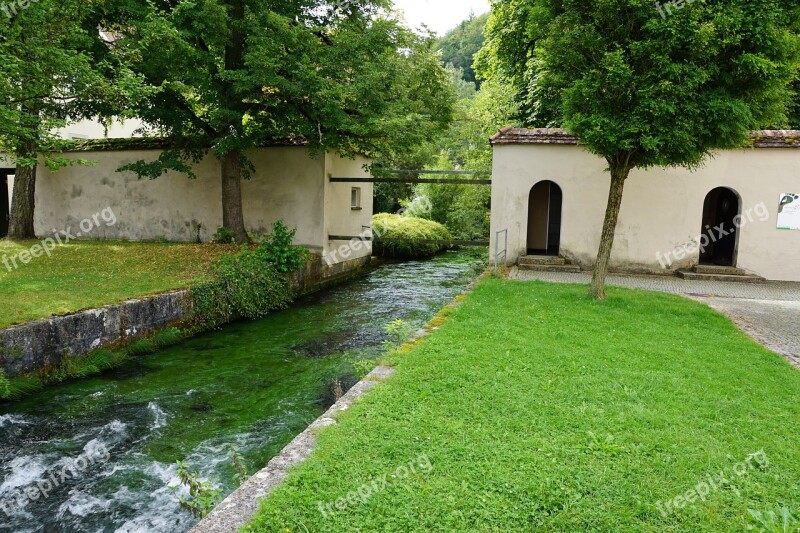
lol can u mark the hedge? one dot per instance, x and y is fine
(398, 236)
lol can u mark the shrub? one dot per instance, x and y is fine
(223, 236)
(251, 283)
(398, 236)
(277, 249)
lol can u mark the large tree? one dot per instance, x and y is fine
(643, 86)
(231, 75)
(47, 77)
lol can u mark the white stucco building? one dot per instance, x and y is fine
(739, 213)
(288, 184)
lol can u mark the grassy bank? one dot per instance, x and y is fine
(90, 274)
(248, 284)
(539, 409)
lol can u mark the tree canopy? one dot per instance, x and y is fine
(641, 87)
(459, 46)
(52, 69)
(231, 75)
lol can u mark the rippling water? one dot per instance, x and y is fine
(107, 445)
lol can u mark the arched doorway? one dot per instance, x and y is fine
(719, 232)
(544, 219)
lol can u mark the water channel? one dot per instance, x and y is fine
(252, 385)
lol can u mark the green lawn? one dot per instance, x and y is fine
(90, 274)
(541, 410)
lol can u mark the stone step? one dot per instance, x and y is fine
(694, 276)
(550, 268)
(542, 260)
(713, 269)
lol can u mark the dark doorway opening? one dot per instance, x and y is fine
(5, 207)
(720, 210)
(544, 219)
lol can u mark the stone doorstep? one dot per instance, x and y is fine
(713, 269)
(550, 268)
(694, 276)
(541, 260)
(238, 509)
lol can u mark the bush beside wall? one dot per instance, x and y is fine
(398, 236)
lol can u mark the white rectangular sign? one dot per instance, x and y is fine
(789, 211)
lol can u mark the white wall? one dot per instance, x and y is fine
(661, 209)
(340, 218)
(288, 184)
(92, 129)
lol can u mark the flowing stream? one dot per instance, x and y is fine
(99, 454)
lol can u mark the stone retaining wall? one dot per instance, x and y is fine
(46, 343)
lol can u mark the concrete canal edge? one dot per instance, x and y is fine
(240, 507)
(46, 343)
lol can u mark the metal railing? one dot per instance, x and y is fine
(498, 253)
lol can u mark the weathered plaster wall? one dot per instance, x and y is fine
(661, 210)
(340, 219)
(171, 206)
(288, 184)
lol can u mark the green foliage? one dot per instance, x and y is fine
(203, 495)
(53, 68)
(772, 522)
(245, 287)
(80, 367)
(396, 236)
(460, 45)
(278, 248)
(161, 339)
(227, 77)
(223, 236)
(611, 383)
(465, 209)
(654, 90)
(794, 105)
(5, 385)
(168, 337)
(252, 283)
(239, 469)
(399, 333)
(363, 366)
(141, 347)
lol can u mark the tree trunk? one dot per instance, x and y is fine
(232, 213)
(618, 176)
(20, 223)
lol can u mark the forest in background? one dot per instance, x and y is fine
(482, 108)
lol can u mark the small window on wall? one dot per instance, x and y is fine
(355, 198)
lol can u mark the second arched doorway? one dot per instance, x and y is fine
(719, 233)
(544, 219)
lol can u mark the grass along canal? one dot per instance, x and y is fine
(108, 444)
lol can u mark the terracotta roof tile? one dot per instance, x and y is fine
(761, 139)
